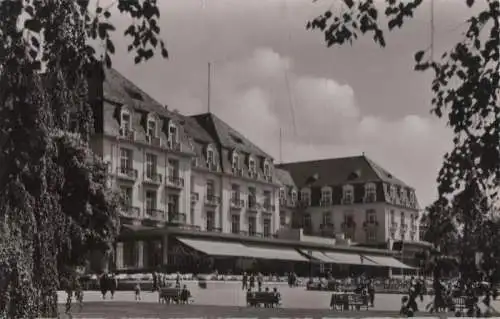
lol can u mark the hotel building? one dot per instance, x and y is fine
(199, 195)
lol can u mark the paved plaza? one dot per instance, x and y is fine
(228, 299)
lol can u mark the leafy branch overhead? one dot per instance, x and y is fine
(465, 85)
(143, 33)
(465, 92)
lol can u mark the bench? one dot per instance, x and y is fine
(174, 295)
(268, 299)
(357, 301)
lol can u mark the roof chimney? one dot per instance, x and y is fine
(166, 106)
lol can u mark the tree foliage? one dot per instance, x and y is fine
(55, 200)
(465, 87)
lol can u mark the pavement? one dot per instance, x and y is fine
(231, 298)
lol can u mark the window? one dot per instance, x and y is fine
(151, 164)
(393, 217)
(371, 216)
(348, 195)
(151, 128)
(267, 169)
(267, 199)
(235, 192)
(235, 162)
(294, 195)
(282, 194)
(370, 192)
(326, 196)
(252, 223)
(412, 221)
(327, 218)
(251, 165)
(307, 221)
(173, 168)
(125, 160)
(172, 205)
(267, 227)
(393, 191)
(210, 188)
(235, 224)
(403, 218)
(125, 121)
(305, 196)
(127, 195)
(172, 133)
(129, 254)
(371, 234)
(210, 156)
(282, 218)
(210, 220)
(150, 200)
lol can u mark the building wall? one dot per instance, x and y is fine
(358, 211)
(111, 154)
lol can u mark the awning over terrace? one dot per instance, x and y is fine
(232, 249)
(340, 258)
(349, 259)
(387, 261)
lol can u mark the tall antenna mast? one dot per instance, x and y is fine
(209, 78)
(281, 146)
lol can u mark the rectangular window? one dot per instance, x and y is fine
(210, 157)
(235, 224)
(393, 217)
(151, 164)
(210, 188)
(150, 200)
(151, 128)
(307, 221)
(371, 216)
(327, 218)
(252, 223)
(173, 205)
(172, 133)
(125, 160)
(267, 199)
(251, 166)
(127, 195)
(235, 192)
(305, 197)
(371, 235)
(210, 220)
(282, 194)
(267, 227)
(326, 195)
(267, 169)
(125, 124)
(173, 168)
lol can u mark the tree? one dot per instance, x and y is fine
(55, 202)
(465, 87)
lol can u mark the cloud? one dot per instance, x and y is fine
(320, 117)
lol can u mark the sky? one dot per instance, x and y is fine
(270, 74)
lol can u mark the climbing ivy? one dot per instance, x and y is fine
(55, 202)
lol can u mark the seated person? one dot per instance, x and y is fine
(405, 309)
(185, 295)
(277, 294)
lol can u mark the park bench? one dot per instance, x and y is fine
(174, 295)
(268, 299)
(357, 301)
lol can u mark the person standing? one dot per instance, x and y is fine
(244, 281)
(103, 285)
(371, 292)
(113, 285)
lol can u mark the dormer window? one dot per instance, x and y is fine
(370, 193)
(305, 196)
(348, 194)
(125, 122)
(267, 169)
(172, 133)
(293, 195)
(251, 166)
(210, 155)
(235, 161)
(326, 196)
(151, 128)
(393, 191)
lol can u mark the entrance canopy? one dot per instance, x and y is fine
(232, 249)
(386, 261)
(349, 259)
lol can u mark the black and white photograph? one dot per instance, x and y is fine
(249, 158)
